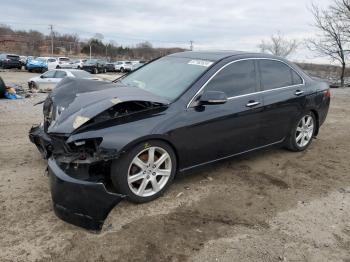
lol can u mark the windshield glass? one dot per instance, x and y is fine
(81, 74)
(92, 61)
(41, 59)
(168, 76)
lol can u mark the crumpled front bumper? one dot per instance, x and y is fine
(81, 203)
(42, 141)
(76, 201)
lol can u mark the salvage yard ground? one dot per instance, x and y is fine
(271, 205)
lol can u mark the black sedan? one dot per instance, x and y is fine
(95, 66)
(10, 61)
(128, 139)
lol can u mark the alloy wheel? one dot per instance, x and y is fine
(149, 171)
(304, 131)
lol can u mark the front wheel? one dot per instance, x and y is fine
(145, 172)
(302, 133)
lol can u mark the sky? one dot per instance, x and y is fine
(211, 25)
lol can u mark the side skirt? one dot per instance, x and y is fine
(226, 157)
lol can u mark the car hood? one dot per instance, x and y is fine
(76, 101)
(36, 62)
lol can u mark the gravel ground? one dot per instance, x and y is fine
(272, 205)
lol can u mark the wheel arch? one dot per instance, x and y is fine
(314, 111)
(141, 140)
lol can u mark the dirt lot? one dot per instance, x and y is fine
(271, 205)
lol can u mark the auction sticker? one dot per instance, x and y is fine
(200, 63)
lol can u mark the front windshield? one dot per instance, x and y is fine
(81, 74)
(92, 61)
(168, 76)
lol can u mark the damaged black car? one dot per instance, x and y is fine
(106, 141)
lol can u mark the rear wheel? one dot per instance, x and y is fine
(122, 70)
(145, 172)
(95, 71)
(302, 133)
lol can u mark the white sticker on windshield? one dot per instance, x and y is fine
(200, 63)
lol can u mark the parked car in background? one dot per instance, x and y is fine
(95, 66)
(137, 65)
(49, 79)
(23, 60)
(78, 64)
(41, 64)
(10, 61)
(123, 66)
(110, 67)
(64, 62)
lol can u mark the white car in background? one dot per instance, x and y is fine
(64, 62)
(48, 80)
(78, 64)
(123, 66)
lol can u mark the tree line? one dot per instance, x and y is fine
(332, 39)
(37, 43)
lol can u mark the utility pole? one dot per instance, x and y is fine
(191, 45)
(90, 50)
(51, 29)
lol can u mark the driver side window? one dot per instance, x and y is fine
(49, 74)
(236, 79)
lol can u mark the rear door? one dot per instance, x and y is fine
(283, 96)
(218, 131)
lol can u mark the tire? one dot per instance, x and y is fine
(153, 180)
(122, 70)
(95, 71)
(302, 134)
(57, 67)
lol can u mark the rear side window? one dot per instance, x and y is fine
(60, 74)
(13, 57)
(51, 60)
(275, 74)
(296, 78)
(235, 79)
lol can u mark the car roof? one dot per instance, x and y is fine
(219, 55)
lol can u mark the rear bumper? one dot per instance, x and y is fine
(11, 64)
(81, 203)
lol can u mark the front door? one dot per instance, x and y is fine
(218, 131)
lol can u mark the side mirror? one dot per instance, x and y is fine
(213, 98)
(42, 76)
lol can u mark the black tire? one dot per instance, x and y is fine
(120, 170)
(57, 67)
(291, 142)
(122, 70)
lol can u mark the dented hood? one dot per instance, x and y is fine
(76, 101)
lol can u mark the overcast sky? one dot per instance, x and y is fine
(218, 24)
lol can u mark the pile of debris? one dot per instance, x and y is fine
(12, 91)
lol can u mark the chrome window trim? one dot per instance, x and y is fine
(245, 59)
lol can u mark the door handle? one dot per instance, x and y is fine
(299, 92)
(252, 104)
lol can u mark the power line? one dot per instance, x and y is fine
(51, 31)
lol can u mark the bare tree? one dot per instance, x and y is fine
(331, 40)
(278, 45)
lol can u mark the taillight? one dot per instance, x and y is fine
(327, 93)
